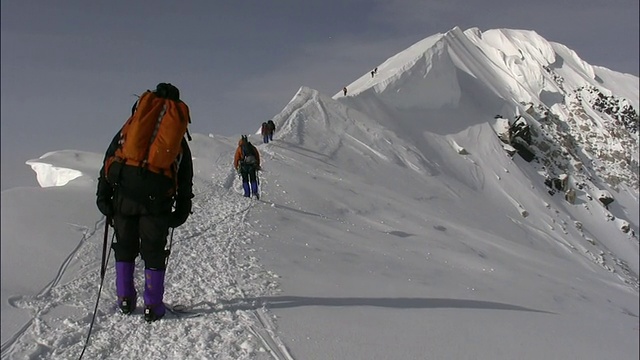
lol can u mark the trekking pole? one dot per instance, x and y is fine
(166, 261)
(105, 258)
(103, 270)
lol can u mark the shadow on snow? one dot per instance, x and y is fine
(282, 302)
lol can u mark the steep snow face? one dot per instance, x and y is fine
(515, 47)
(626, 85)
(391, 69)
(412, 88)
(405, 81)
(439, 86)
(516, 65)
(329, 131)
(338, 141)
(569, 63)
(436, 102)
(517, 57)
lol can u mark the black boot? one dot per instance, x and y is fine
(127, 305)
(154, 308)
(150, 315)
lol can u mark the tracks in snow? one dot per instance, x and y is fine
(211, 264)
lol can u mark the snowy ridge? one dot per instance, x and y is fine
(328, 131)
(220, 230)
(530, 78)
(396, 211)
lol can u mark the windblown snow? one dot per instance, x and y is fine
(400, 221)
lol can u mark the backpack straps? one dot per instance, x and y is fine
(244, 148)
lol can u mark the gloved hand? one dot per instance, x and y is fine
(105, 206)
(181, 213)
(104, 196)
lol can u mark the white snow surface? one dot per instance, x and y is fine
(70, 165)
(392, 225)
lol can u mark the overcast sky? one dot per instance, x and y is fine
(70, 69)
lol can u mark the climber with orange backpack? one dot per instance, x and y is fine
(147, 170)
(246, 161)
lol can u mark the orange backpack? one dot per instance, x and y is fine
(152, 137)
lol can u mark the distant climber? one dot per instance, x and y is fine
(344, 91)
(272, 129)
(264, 131)
(246, 161)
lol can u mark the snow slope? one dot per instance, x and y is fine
(392, 225)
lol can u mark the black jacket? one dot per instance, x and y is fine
(146, 187)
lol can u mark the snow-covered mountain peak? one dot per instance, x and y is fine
(468, 105)
(449, 82)
(477, 180)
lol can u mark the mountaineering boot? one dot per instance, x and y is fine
(125, 289)
(153, 293)
(254, 189)
(245, 187)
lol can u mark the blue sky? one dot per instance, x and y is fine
(70, 69)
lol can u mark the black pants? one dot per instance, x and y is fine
(249, 174)
(141, 231)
